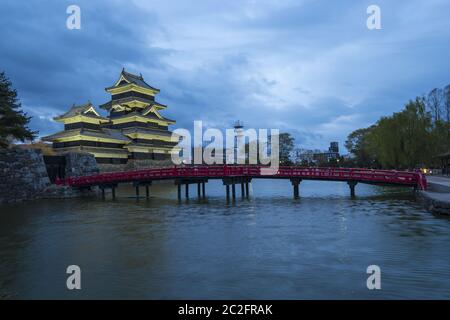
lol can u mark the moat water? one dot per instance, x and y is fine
(267, 247)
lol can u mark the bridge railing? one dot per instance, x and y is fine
(344, 174)
(357, 174)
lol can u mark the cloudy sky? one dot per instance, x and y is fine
(308, 67)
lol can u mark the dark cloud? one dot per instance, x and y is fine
(54, 66)
(307, 67)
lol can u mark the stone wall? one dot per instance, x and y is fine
(23, 174)
(135, 165)
(80, 164)
(435, 202)
(106, 167)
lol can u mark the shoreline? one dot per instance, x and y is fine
(436, 203)
(437, 198)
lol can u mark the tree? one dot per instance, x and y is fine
(402, 141)
(447, 104)
(405, 140)
(434, 103)
(286, 147)
(13, 121)
(358, 144)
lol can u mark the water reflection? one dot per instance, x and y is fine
(268, 246)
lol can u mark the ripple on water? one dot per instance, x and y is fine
(269, 246)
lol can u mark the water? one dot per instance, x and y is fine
(268, 247)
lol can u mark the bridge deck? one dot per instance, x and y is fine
(387, 177)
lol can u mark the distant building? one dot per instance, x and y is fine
(325, 156)
(334, 147)
(304, 156)
(239, 156)
(333, 153)
(134, 128)
(445, 162)
(318, 156)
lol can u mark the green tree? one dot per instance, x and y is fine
(286, 148)
(13, 121)
(434, 101)
(405, 140)
(447, 104)
(358, 144)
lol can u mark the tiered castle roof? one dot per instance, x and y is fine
(134, 126)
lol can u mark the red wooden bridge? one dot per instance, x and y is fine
(232, 175)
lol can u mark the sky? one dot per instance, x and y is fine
(310, 68)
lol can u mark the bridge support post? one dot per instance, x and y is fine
(242, 190)
(230, 182)
(113, 189)
(137, 191)
(247, 189)
(146, 184)
(233, 190)
(296, 191)
(186, 182)
(295, 183)
(352, 185)
(103, 192)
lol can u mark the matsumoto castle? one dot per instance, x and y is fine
(134, 128)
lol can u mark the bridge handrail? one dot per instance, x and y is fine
(357, 174)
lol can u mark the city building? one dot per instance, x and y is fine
(334, 147)
(305, 156)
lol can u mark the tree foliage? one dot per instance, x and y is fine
(359, 145)
(286, 147)
(13, 121)
(408, 139)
